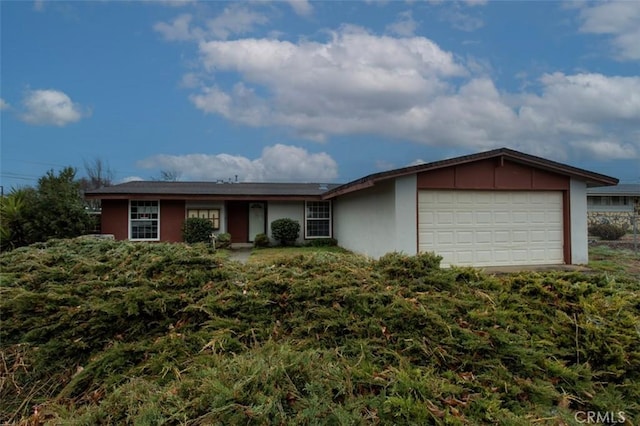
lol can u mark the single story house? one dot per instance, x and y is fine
(613, 204)
(500, 207)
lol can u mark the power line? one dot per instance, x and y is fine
(10, 175)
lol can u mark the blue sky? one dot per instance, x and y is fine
(314, 91)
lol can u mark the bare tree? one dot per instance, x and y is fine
(98, 175)
(169, 175)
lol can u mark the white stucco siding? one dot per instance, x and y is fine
(406, 211)
(578, 208)
(286, 209)
(364, 221)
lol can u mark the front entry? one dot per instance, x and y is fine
(245, 220)
(256, 220)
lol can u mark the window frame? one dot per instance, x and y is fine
(214, 220)
(307, 218)
(130, 221)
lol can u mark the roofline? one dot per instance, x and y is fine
(613, 194)
(199, 197)
(516, 156)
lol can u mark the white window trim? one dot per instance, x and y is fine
(129, 222)
(306, 219)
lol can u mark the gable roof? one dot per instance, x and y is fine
(623, 189)
(591, 178)
(299, 191)
(196, 190)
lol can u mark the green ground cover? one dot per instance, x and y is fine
(104, 332)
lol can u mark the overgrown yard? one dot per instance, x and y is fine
(103, 332)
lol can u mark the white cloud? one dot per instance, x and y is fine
(345, 85)
(620, 20)
(408, 88)
(475, 2)
(462, 20)
(51, 107)
(301, 7)
(608, 150)
(178, 30)
(130, 179)
(175, 3)
(404, 25)
(278, 163)
(234, 19)
(4, 105)
(38, 5)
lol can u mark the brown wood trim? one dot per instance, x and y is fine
(492, 174)
(417, 220)
(256, 198)
(566, 226)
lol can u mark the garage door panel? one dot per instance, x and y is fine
(485, 228)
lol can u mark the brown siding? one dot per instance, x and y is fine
(492, 173)
(115, 218)
(238, 221)
(172, 214)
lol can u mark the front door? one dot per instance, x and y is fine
(238, 221)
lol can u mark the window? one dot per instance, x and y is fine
(619, 201)
(318, 219)
(144, 219)
(212, 214)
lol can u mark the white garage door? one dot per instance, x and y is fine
(491, 228)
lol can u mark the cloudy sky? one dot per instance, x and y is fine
(315, 91)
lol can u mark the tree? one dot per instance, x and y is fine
(172, 175)
(55, 209)
(58, 210)
(98, 175)
(13, 227)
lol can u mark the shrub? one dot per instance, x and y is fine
(399, 265)
(607, 231)
(261, 240)
(223, 240)
(323, 242)
(285, 230)
(197, 230)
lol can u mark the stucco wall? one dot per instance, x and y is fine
(578, 208)
(406, 214)
(285, 209)
(364, 221)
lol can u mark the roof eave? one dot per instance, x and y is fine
(203, 197)
(592, 179)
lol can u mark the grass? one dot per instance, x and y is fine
(104, 332)
(616, 260)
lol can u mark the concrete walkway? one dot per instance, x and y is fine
(240, 254)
